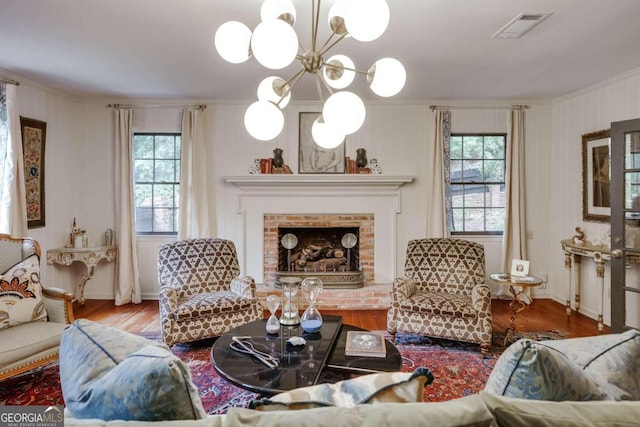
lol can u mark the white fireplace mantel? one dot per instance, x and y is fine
(277, 182)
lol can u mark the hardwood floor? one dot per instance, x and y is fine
(543, 314)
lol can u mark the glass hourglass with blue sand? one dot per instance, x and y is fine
(311, 320)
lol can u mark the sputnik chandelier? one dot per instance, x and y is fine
(275, 45)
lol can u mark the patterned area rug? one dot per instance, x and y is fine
(459, 370)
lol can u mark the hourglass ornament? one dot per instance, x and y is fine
(273, 324)
(311, 319)
(290, 314)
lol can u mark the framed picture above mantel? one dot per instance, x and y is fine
(34, 135)
(596, 176)
(311, 157)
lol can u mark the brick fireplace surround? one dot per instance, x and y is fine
(370, 202)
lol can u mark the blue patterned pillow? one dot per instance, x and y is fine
(110, 374)
(534, 370)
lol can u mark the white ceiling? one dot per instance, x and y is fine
(163, 49)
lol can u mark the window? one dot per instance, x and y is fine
(477, 183)
(156, 159)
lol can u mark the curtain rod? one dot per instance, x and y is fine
(201, 106)
(9, 81)
(478, 107)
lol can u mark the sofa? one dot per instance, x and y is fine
(129, 381)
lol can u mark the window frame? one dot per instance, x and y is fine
(178, 160)
(485, 183)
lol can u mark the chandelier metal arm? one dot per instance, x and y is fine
(326, 48)
(315, 18)
(318, 87)
(342, 67)
(291, 83)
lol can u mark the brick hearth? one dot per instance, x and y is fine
(370, 297)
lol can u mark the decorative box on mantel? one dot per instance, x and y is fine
(368, 202)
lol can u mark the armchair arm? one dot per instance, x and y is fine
(481, 298)
(403, 288)
(59, 304)
(244, 286)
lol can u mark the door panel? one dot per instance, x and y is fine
(625, 223)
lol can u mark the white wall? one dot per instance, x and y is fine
(588, 110)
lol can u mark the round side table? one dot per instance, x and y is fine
(519, 299)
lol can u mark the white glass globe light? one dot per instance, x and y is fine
(278, 9)
(232, 41)
(345, 110)
(263, 120)
(274, 44)
(325, 135)
(337, 12)
(338, 78)
(366, 20)
(272, 89)
(387, 77)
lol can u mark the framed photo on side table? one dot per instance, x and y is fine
(311, 157)
(519, 268)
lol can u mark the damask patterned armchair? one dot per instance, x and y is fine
(442, 293)
(201, 292)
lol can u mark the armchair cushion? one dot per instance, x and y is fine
(440, 303)
(107, 373)
(200, 305)
(21, 294)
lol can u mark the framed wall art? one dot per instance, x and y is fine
(311, 157)
(34, 135)
(596, 176)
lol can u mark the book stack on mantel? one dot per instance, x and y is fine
(350, 166)
(266, 167)
(365, 344)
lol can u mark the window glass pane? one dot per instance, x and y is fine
(457, 199)
(163, 195)
(456, 170)
(176, 191)
(474, 220)
(458, 218)
(494, 197)
(472, 170)
(474, 196)
(143, 195)
(472, 147)
(495, 219)
(177, 166)
(632, 190)
(494, 170)
(143, 170)
(163, 220)
(165, 171)
(455, 147)
(494, 147)
(143, 220)
(143, 146)
(165, 147)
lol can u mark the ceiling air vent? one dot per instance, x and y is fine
(519, 25)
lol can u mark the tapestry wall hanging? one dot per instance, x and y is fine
(34, 133)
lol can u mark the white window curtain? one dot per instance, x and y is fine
(127, 274)
(194, 219)
(13, 206)
(514, 242)
(439, 219)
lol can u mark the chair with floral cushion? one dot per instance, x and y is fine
(202, 294)
(32, 317)
(442, 293)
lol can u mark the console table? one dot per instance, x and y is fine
(90, 257)
(573, 254)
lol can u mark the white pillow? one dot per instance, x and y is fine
(21, 294)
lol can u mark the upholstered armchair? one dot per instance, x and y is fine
(202, 294)
(442, 293)
(32, 317)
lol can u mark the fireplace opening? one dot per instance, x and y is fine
(330, 253)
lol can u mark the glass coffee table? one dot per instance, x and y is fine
(299, 367)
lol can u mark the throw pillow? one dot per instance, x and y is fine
(111, 374)
(533, 370)
(21, 294)
(611, 360)
(373, 388)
